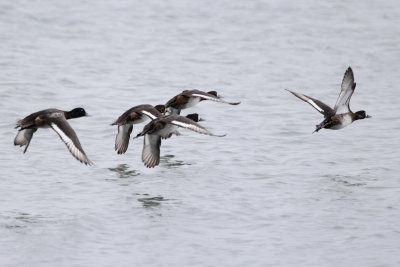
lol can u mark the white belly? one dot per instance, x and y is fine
(142, 119)
(192, 101)
(345, 121)
(168, 129)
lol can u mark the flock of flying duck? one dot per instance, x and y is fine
(166, 119)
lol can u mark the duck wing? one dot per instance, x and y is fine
(151, 113)
(151, 150)
(212, 97)
(122, 138)
(24, 137)
(190, 124)
(68, 136)
(347, 89)
(321, 107)
(136, 113)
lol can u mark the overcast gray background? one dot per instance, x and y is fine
(269, 193)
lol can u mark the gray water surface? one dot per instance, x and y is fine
(270, 193)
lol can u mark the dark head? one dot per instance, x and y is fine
(214, 93)
(359, 115)
(160, 108)
(76, 113)
(194, 117)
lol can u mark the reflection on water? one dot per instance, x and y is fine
(167, 160)
(19, 220)
(123, 171)
(346, 180)
(151, 202)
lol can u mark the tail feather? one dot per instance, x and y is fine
(321, 125)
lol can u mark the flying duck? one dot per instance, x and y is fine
(57, 120)
(341, 115)
(130, 117)
(189, 98)
(164, 127)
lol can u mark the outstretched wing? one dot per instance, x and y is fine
(213, 98)
(151, 150)
(153, 114)
(24, 137)
(348, 85)
(122, 138)
(68, 136)
(191, 125)
(321, 107)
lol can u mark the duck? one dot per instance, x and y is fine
(163, 128)
(57, 120)
(134, 115)
(340, 115)
(189, 98)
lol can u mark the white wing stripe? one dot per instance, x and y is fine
(148, 114)
(70, 144)
(208, 97)
(312, 103)
(182, 124)
(191, 127)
